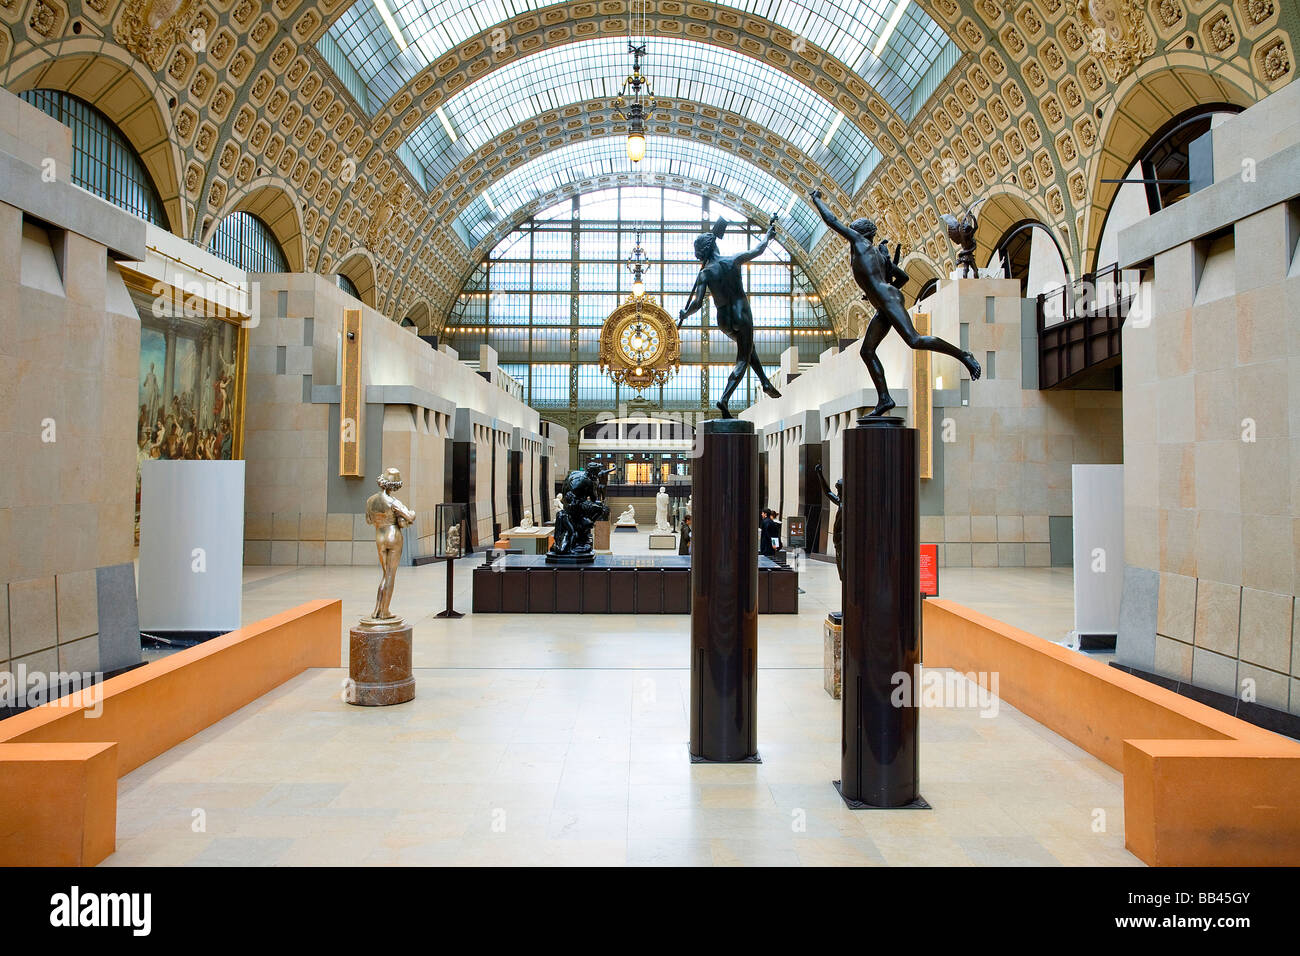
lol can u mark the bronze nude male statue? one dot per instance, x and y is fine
(880, 279)
(388, 516)
(720, 276)
(836, 498)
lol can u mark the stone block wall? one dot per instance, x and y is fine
(1212, 483)
(1007, 466)
(1212, 428)
(298, 509)
(69, 367)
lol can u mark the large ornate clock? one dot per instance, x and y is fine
(639, 344)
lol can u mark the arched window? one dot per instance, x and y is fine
(103, 162)
(348, 286)
(927, 290)
(1159, 175)
(1028, 252)
(523, 298)
(245, 241)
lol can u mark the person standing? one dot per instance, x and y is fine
(774, 530)
(684, 537)
(765, 547)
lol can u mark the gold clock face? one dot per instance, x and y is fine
(639, 344)
(639, 341)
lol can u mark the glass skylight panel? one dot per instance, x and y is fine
(607, 155)
(682, 69)
(847, 29)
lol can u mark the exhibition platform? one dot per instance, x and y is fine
(612, 584)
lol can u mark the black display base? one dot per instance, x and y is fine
(694, 759)
(1097, 642)
(880, 421)
(918, 804)
(835, 617)
(656, 583)
(570, 558)
(177, 638)
(452, 614)
(723, 426)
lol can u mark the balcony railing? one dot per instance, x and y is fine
(1079, 331)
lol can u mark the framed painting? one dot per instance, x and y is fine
(191, 384)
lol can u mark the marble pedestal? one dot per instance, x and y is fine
(832, 656)
(379, 665)
(663, 541)
(600, 536)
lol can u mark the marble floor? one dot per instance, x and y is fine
(563, 740)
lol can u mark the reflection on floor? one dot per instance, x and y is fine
(562, 740)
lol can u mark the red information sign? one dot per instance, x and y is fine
(930, 570)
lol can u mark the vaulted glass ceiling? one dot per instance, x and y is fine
(607, 155)
(680, 69)
(850, 30)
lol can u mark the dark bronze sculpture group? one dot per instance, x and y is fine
(878, 275)
(881, 280)
(583, 498)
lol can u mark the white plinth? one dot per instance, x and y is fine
(191, 545)
(663, 542)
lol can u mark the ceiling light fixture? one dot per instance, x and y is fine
(637, 263)
(631, 102)
(389, 22)
(890, 26)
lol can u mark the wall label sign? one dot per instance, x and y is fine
(930, 570)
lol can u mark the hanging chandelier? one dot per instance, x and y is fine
(637, 264)
(633, 99)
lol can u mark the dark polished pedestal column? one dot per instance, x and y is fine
(724, 594)
(882, 615)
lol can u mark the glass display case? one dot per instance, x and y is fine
(451, 530)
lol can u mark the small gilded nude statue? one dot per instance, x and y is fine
(388, 516)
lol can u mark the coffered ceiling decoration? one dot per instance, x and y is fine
(312, 116)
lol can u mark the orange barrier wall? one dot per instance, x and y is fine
(1201, 788)
(147, 711)
(58, 806)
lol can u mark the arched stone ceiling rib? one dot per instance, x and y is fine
(575, 123)
(701, 22)
(595, 70)
(848, 30)
(606, 156)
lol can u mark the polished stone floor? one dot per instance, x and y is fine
(563, 740)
